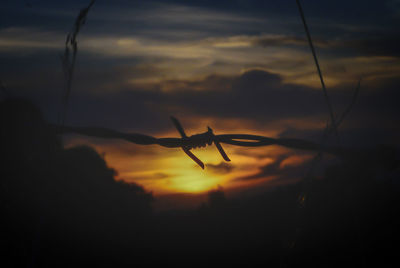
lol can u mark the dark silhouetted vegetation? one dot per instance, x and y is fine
(63, 207)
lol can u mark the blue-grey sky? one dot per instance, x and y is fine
(237, 65)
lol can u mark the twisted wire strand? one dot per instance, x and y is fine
(194, 141)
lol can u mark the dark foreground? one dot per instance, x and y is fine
(62, 207)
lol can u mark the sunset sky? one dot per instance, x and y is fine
(236, 66)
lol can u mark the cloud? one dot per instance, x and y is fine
(284, 168)
(120, 58)
(255, 95)
(140, 68)
(155, 176)
(378, 45)
(28, 39)
(285, 40)
(221, 168)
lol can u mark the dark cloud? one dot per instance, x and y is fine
(371, 44)
(103, 96)
(214, 82)
(281, 40)
(374, 44)
(154, 176)
(257, 96)
(254, 95)
(221, 168)
(284, 172)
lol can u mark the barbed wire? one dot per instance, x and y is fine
(187, 143)
(199, 140)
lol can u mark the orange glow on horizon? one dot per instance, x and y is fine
(182, 175)
(170, 171)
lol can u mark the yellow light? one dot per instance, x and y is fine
(187, 176)
(169, 171)
(193, 181)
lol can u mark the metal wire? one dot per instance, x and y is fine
(194, 141)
